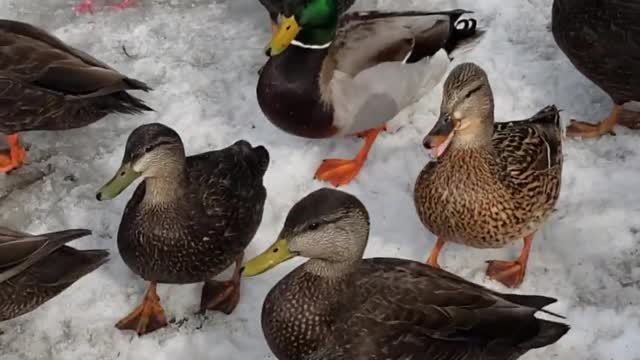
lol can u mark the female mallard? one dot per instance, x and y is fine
(491, 183)
(340, 306)
(48, 85)
(351, 76)
(35, 268)
(189, 220)
(600, 39)
(275, 8)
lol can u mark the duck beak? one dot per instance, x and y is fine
(287, 31)
(440, 136)
(276, 254)
(123, 178)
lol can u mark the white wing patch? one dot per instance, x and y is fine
(377, 94)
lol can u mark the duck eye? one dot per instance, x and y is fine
(148, 148)
(313, 226)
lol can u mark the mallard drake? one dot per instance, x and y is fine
(599, 37)
(491, 183)
(340, 306)
(275, 8)
(86, 6)
(350, 75)
(189, 219)
(36, 268)
(47, 85)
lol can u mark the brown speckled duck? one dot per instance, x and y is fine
(600, 37)
(338, 306)
(36, 268)
(190, 219)
(491, 183)
(331, 76)
(46, 84)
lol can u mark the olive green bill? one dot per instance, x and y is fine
(123, 178)
(287, 32)
(270, 258)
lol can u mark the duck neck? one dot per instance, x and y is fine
(477, 135)
(166, 188)
(329, 269)
(320, 37)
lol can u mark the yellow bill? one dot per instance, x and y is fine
(123, 178)
(276, 254)
(287, 32)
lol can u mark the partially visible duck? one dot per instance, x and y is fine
(339, 306)
(330, 76)
(46, 84)
(36, 268)
(600, 37)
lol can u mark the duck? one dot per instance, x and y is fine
(276, 8)
(46, 84)
(188, 220)
(489, 183)
(329, 76)
(337, 305)
(36, 268)
(598, 37)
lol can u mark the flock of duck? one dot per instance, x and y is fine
(329, 73)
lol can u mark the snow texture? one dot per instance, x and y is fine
(202, 58)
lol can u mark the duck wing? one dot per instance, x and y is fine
(408, 310)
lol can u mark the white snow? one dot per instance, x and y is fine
(202, 58)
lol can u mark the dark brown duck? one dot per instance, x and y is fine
(338, 306)
(36, 268)
(46, 84)
(600, 38)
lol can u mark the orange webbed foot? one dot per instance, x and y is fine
(509, 273)
(147, 317)
(588, 130)
(338, 172)
(220, 296)
(14, 157)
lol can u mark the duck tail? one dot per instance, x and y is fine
(548, 333)
(464, 33)
(256, 157)
(78, 263)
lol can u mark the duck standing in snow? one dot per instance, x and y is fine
(331, 76)
(48, 85)
(189, 219)
(339, 306)
(600, 39)
(36, 268)
(491, 183)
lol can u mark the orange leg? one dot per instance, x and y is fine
(14, 158)
(433, 258)
(147, 317)
(340, 172)
(222, 295)
(588, 130)
(511, 273)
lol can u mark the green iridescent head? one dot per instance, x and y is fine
(310, 22)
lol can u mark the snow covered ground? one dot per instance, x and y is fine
(202, 56)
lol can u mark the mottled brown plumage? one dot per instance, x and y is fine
(36, 268)
(338, 306)
(493, 183)
(191, 217)
(600, 38)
